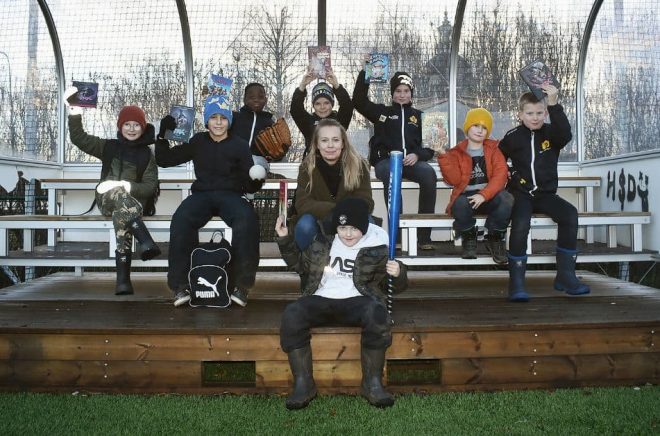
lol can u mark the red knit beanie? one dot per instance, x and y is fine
(131, 113)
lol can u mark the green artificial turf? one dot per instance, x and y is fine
(598, 411)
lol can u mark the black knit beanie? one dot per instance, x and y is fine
(351, 212)
(401, 78)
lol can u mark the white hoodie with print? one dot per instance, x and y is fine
(337, 281)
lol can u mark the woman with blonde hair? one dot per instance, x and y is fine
(331, 171)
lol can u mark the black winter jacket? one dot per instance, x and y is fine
(534, 154)
(307, 122)
(223, 165)
(369, 274)
(247, 124)
(396, 127)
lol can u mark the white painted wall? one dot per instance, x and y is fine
(648, 164)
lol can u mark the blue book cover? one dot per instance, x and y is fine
(185, 119)
(87, 95)
(220, 87)
(377, 68)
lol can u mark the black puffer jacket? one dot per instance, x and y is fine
(369, 274)
(243, 122)
(223, 165)
(396, 127)
(534, 154)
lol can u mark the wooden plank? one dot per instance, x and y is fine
(91, 374)
(641, 367)
(328, 346)
(343, 373)
(140, 347)
(536, 342)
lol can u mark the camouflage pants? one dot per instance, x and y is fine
(123, 208)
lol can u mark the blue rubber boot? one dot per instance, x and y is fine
(517, 270)
(566, 281)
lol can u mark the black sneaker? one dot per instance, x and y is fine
(181, 297)
(240, 296)
(496, 246)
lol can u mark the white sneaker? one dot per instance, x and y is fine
(239, 296)
(181, 297)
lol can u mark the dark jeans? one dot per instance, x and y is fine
(421, 173)
(561, 211)
(192, 214)
(307, 228)
(313, 311)
(497, 208)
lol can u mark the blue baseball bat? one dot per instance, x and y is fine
(394, 207)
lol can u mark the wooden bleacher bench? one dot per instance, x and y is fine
(409, 223)
(55, 187)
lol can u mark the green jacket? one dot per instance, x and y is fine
(319, 201)
(127, 170)
(369, 274)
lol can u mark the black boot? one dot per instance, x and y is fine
(497, 247)
(147, 247)
(304, 388)
(566, 281)
(469, 242)
(123, 263)
(373, 362)
(517, 270)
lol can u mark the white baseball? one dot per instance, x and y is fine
(257, 172)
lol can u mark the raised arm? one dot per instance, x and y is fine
(90, 144)
(363, 105)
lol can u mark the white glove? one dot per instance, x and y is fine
(73, 110)
(107, 185)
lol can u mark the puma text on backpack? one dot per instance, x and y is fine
(208, 277)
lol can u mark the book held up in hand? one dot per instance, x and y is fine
(434, 130)
(219, 86)
(319, 60)
(537, 74)
(377, 68)
(185, 118)
(87, 95)
(284, 199)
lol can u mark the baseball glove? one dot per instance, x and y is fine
(273, 142)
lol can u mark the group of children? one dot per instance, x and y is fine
(344, 264)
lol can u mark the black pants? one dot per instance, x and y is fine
(192, 214)
(497, 208)
(561, 211)
(313, 311)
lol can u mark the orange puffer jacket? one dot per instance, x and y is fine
(456, 168)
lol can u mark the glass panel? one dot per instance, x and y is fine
(28, 84)
(254, 41)
(134, 52)
(418, 40)
(499, 38)
(621, 80)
